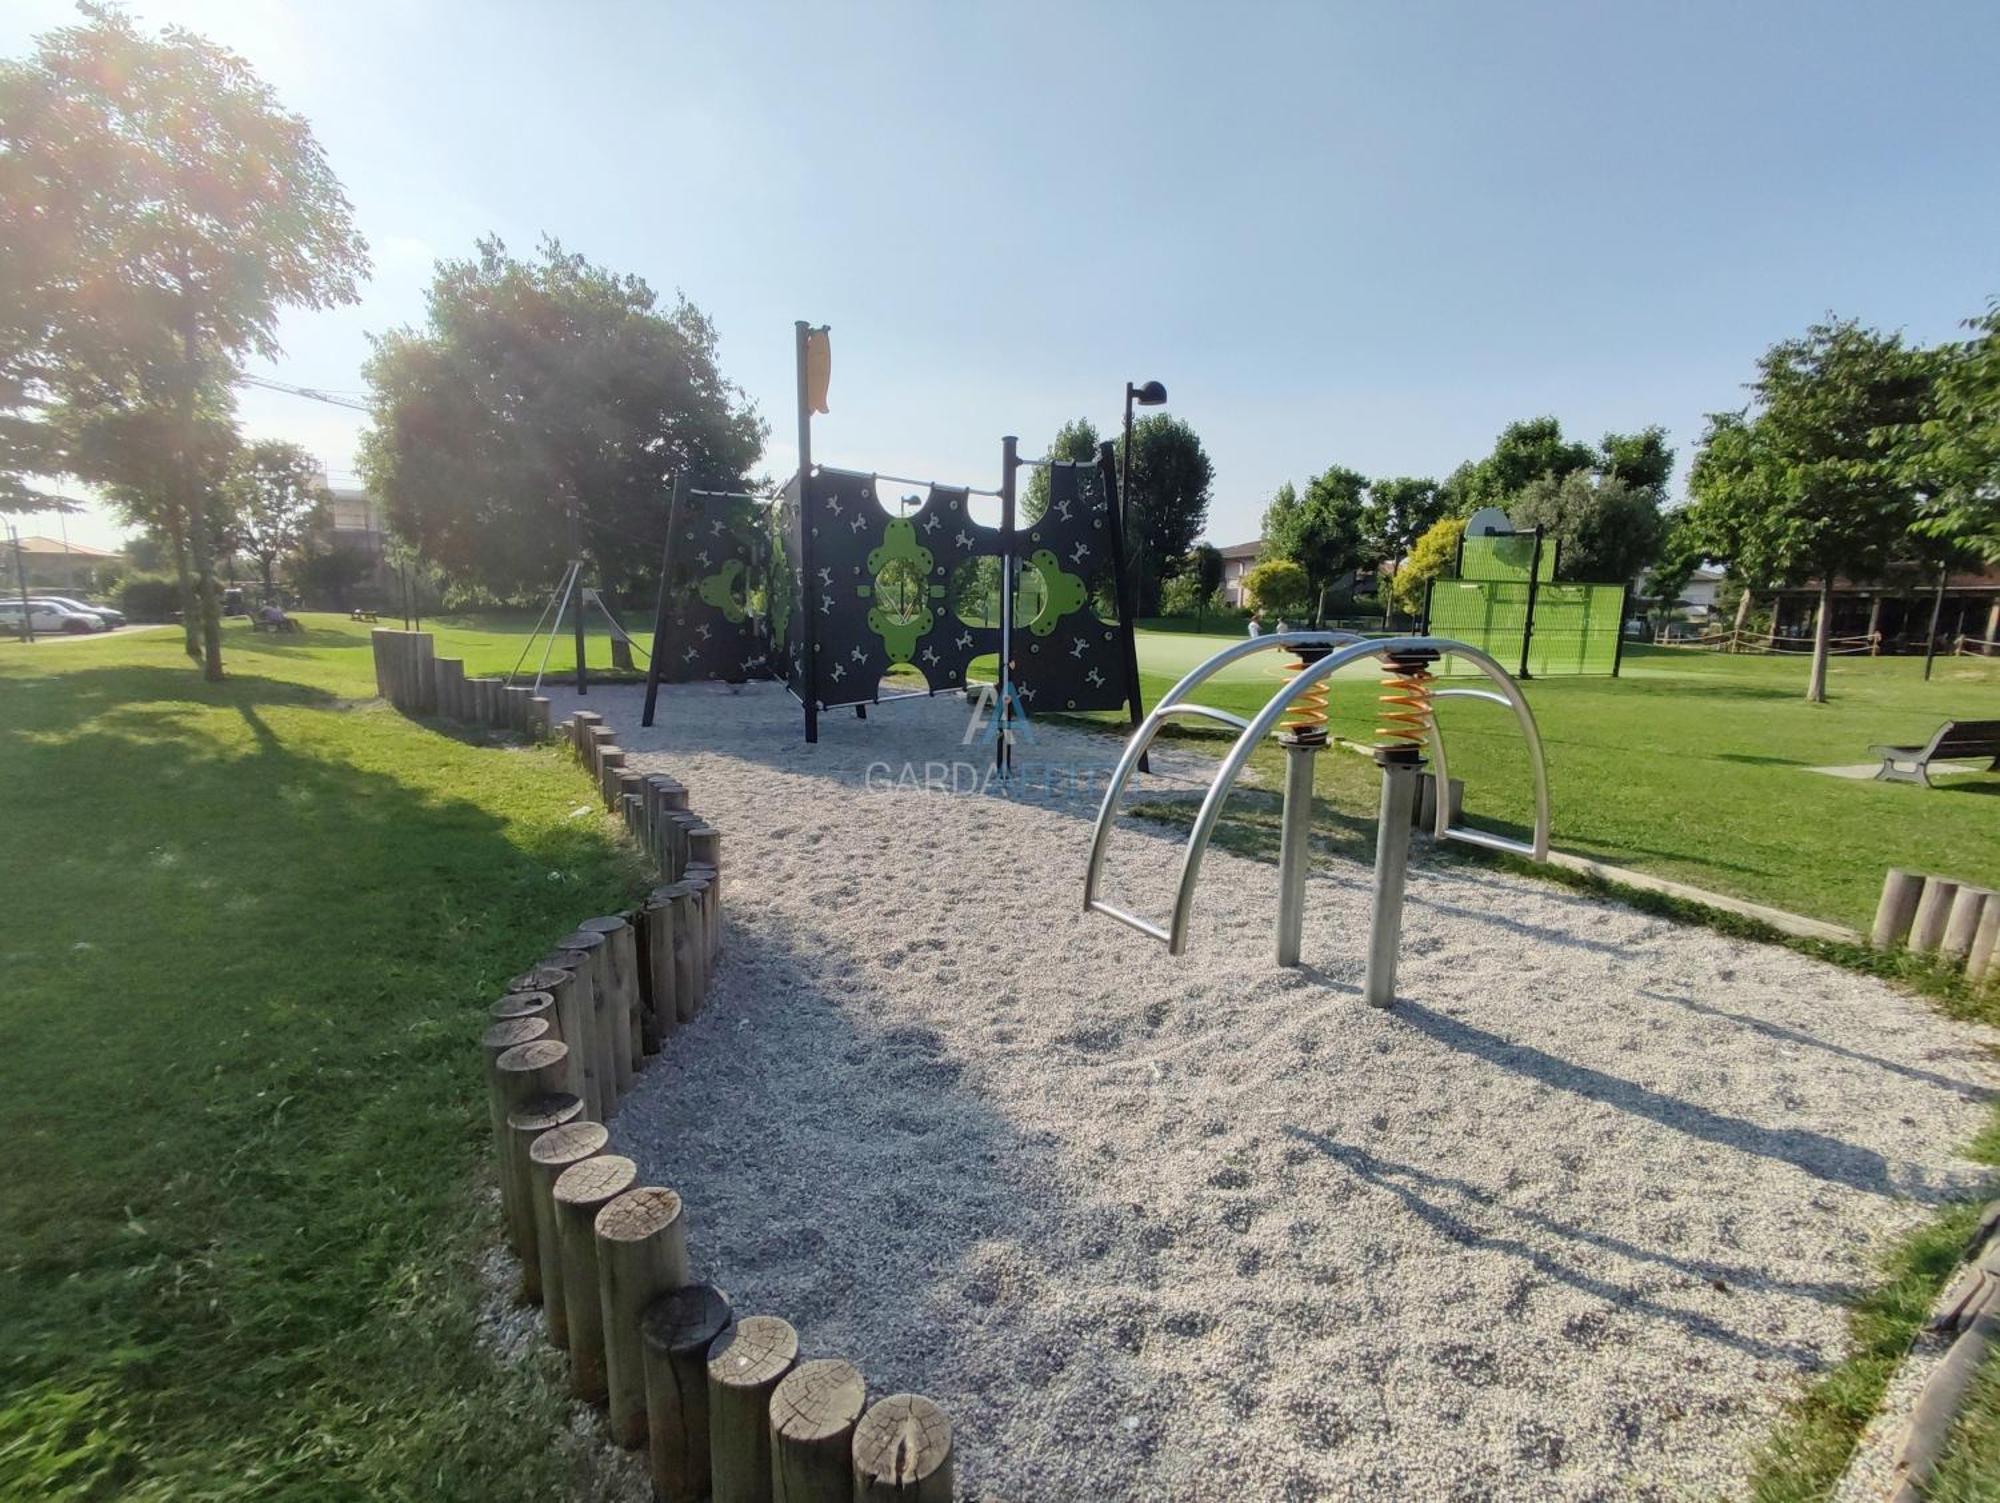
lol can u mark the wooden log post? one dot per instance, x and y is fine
(517, 696)
(499, 1037)
(705, 849)
(690, 977)
(379, 640)
(902, 1452)
(641, 1255)
(1933, 913)
(529, 1004)
(541, 717)
(525, 1123)
(524, 1073)
(580, 1192)
(576, 1008)
(603, 1025)
(814, 1410)
(482, 700)
(656, 919)
(425, 664)
(1897, 908)
(703, 878)
(560, 984)
(581, 725)
(550, 1154)
(450, 672)
(610, 762)
(631, 786)
(1979, 966)
(1962, 927)
(675, 1334)
(621, 967)
(744, 1366)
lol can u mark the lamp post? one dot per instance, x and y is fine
(1144, 394)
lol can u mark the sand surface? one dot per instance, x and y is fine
(1570, 1221)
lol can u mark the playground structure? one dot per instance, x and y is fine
(1505, 600)
(821, 586)
(1298, 712)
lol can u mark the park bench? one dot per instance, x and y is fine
(1955, 741)
(288, 624)
(361, 615)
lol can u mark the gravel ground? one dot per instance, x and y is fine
(1570, 1221)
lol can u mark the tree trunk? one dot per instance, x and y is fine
(1822, 629)
(190, 611)
(1742, 615)
(197, 502)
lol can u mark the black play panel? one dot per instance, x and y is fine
(1068, 657)
(716, 559)
(881, 587)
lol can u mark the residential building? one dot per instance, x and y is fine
(1237, 562)
(52, 564)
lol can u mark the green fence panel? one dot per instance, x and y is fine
(1576, 628)
(1506, 558)
(1491, 615)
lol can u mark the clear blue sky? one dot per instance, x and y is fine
(1367, 234)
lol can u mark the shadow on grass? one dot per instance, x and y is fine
(238, 1060)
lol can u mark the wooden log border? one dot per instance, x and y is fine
(727, 1408)
(1956, 924)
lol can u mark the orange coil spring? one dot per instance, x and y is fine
(1406, 709)
(1308, 711)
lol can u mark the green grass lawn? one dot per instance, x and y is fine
(251, 933)
(1690, 765)
(253, 929)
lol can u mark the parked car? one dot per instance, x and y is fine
(112, 618)
(47, 616)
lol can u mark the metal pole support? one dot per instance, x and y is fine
(1392, 866)
(1294, 844)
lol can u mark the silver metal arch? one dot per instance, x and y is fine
(1347, 647)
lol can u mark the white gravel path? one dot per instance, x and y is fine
(1569, 1222)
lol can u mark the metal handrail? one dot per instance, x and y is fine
(1351, 648)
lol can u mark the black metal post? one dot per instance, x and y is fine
(808, 580)
(1004, 709)
(1125, 459)
(1937, 610)
(1122, 584)
(576, 621)
(1528, 622)
(659, 652)
(21, 578)
(1618, 652)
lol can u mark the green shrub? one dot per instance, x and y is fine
(149, 597)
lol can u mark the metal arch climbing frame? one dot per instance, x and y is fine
(1342, 648)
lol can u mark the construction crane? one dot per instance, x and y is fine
(304, 391)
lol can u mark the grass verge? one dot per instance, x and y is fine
(251, 932)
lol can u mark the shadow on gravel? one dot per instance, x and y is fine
(1970, 1090)
(1811, 1153)
(1412, 1186)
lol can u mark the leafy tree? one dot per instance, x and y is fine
(1605, 529)
(1955, 458)
(1183, 595)
(1680, 556)
(1322, 530)
(1074, 440)
(277, 498)
(1204, 562)
(1278, 587)
(1172, 481)
(332, 573)
(1432, 556)
(158, 208)
(1398, 512)
(1801, 484)
(538, 389)
(1641, 460)
(1524, 451)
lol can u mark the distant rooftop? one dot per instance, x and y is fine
(1243, 550)
(36, 544)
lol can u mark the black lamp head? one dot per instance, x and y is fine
(1152, 394)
